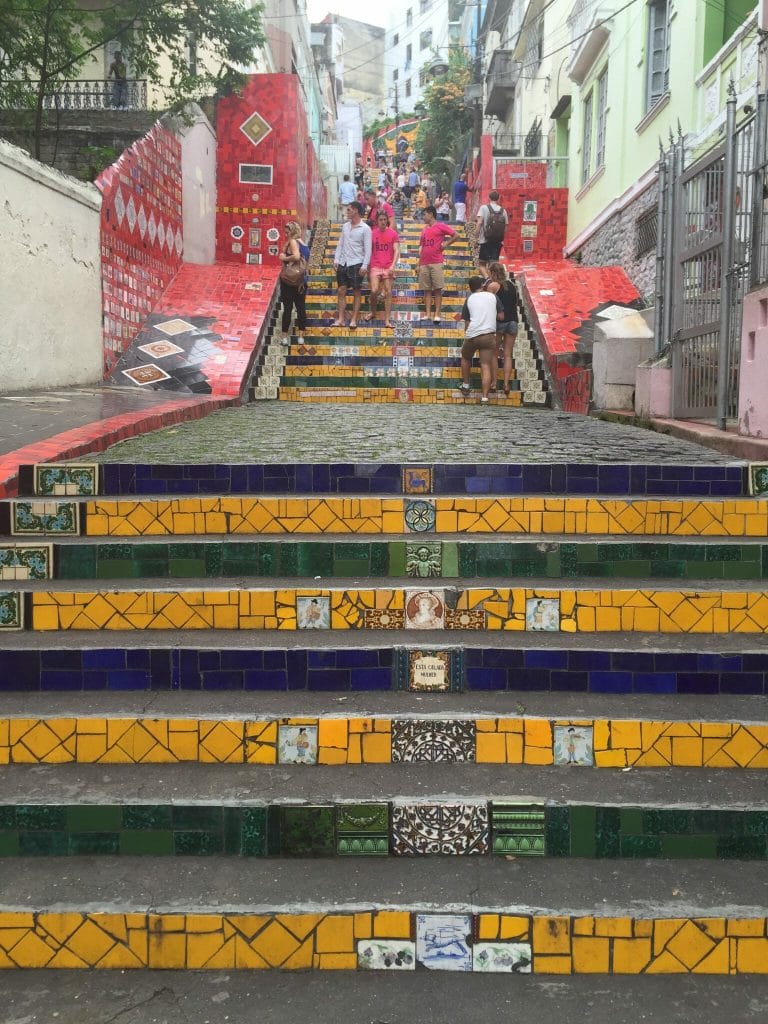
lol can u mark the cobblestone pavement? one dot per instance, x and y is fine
(288, 432)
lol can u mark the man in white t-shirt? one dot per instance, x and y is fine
(490, 230)
(479, 316)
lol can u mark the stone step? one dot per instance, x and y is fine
(590, 731)
(666, 608)
(386, 810)
(356, 663)
(543, 516)
(443, 558)
(528, 915)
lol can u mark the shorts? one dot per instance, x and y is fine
(489, 251)
(508, 327)
(461, 212)
(431, 277)
(377, 274)
(484, 344)
(350, 277)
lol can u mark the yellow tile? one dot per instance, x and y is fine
(631, 956)
(512, 926)
(487, 927)
(491, 748)
(551, 935)
(275, 943)
(687, 752)
(377, 748)
(751, 956)
(616, 927)
(538, 733)
(167, 951)
(392, 924)
(591, 956)
(363, 928)
(338, 962)
(753, 927)
(583, 926)
(335, 934)
(552, 965)
(332, 732)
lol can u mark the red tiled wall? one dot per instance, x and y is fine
(511, 174)
(248, 214)
(141, 235)
(525, 183)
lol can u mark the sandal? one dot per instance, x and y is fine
(389, 326)
(352, 326)
(465, 389)
(338, 323)
(368, 318)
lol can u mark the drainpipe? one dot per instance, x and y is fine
(669, 243)
(661, 237)
(726, 266)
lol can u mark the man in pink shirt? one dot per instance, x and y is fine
(435, 239)
(385, 252)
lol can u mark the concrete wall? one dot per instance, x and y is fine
(50, 286)
(753, 369)
(198, 187)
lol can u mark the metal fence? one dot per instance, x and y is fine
(87, 94)
(706, 248)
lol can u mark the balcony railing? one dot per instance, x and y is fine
(501, 78)
(87, 94)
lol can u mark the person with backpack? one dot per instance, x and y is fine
(491, 223)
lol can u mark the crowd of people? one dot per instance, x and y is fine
(369, 250)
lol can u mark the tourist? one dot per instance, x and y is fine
(460, 190)
(480, 318)
(491, 222)
(351, 262)
(419, 203)
(385, 252)
(293, 294)
(443, 207)
(434, 240)
(504, 289)
(374, 206)
(398, 209)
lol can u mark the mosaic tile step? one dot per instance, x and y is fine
(747, 518)
(250, 739)
(389, 395)
(572, 610)
(306, 358)
(403, 827)
(363, 667)
(664, 479)
(445, 559)
(359, 378)
(350, 913)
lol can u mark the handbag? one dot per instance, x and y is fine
(292, 274)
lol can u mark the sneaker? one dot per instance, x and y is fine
(285, 340)
(464, 389)
(436, 320)
(299, 339)
(483, 401)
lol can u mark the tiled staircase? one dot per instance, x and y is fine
(320, 688)
(417, 361)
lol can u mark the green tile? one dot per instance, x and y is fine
(450, 559)
(724, 823)
(672, 822)
(41, 816)
(640, 846)
(200, 844)
(75, 561)
(607, 828)
(467, 560)
(232, 826)
(138, 842)
(755, 823)
(631, 821)
(606, 552)
(94, 818)
(253, 832)
(724, 552)
(273, 830)
(741, 847)
(583, 831)
(43, 844)
(110, 552)
(307, 831)
(632, 569)
(703, 570)
(362, 818)
(348, 567)
(9, 843)
(558, 831)
(146, 816)
(148, 568)
(115, 569)
(685, 552)
(7, 816)
(674, 570)
(742, 571)
(197, 817)
(93, 843)
(187, 568)
(289, 560)
(380, 559)
(690, 847)
(214, 560)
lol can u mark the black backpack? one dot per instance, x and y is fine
(495, 225)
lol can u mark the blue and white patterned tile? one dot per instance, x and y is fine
(26, 561)
(442, 941)
(30, 518)
(11, 610)
(66, 479)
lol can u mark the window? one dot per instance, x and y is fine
(425, 39)
(424, 75)
(395, 75)
(602, 103)
(657, 52)
(534, 49)
(586, 146)
(409, 17)
(647, 227)
(408, 55)
(407, 87)
(256, 174)
(395, 38)
(424, 6)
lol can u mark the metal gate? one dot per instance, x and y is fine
(703, 268)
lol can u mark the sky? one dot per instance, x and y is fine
(317, 10)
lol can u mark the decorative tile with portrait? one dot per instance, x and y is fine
(424, 609)
(573, 745)
(297, 744)
(542, 614)
(313, 613)
(424, 559)
(758, 479)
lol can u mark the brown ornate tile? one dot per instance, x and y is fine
(474, 619)
(383, 618)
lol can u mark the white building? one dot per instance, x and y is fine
(416, 33)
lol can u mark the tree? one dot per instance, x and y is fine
(448, 120)
(46, 42)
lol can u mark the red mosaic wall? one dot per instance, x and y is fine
(141, 235)
(264, 130)
(538, 216)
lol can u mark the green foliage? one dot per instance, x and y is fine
(448, 119)
(93, 160)
(45, 42)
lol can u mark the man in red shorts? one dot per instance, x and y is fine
(434, 240)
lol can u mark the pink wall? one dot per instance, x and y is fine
(753, 369)
(141, 235)
(263, 134)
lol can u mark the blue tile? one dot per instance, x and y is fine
(720, 662)
(97, 679)
(677, 472)
(262, 680)
(610, 682)
(754, 662)
(328, 679)
(632, 661)
(61, 659)
(638, 479)
(272, 659)
(254, 476)
(698, 682)
(655, 682)
(478, 485)
(241, 659)
(613, 479)
(208, 661)
(590, 661)
(742, 682)
(201, 471)
(296, 664)
(569, 682)
(357, 659)
(50, 680)
(539, 479)
(220, 680)
(530, 679)
(498, 658)
(546, 659)
(104, 659)
(321, 659)
(125, 680)
(486, 678)
(677, 662)
(371, 679)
